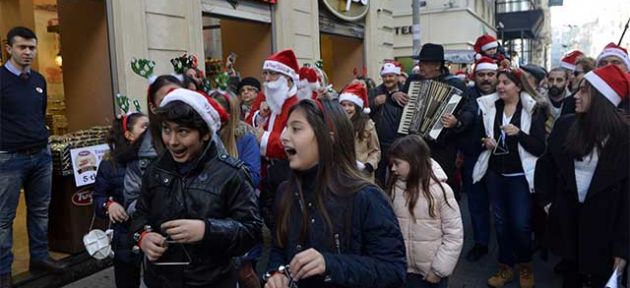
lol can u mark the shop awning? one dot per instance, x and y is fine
(521, 24)
(459, 56)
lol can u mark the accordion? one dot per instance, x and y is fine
(428, 101)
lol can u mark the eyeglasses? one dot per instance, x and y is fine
(577, 73)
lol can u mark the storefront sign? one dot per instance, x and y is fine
(82, 197)
(403, 30)
(85, 162)
(349, 10)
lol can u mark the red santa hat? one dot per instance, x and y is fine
(283, 62)
(611, 81)
(613, 50)
(390, 68)
(485, 42)
(357, 94)
(208, 112)
(309, 75)
(486, 63)
(568, 60)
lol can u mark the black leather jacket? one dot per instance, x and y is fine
(216, 190)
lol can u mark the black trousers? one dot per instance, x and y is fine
(572, 277)
(127, 274)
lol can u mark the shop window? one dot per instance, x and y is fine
(250, 41)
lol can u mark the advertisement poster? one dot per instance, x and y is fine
(85, 162)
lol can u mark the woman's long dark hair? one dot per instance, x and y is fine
(121, 150)
(154, 126)
(337, 174)
(359, 121)
(416, 151)
(602, 124)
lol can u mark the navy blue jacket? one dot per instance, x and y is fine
(365, 248)
(109, 183)
(22, 111)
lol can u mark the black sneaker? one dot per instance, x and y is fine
(46, 265)
(476, 252)
(5, 280)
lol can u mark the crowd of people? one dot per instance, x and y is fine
(343, 198)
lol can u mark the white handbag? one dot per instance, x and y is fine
(98, 243)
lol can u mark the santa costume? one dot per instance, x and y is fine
(280, 99)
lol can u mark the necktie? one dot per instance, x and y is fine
(24, 76)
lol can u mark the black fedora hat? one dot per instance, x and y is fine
(431, 52)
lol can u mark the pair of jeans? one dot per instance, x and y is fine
(416, 281)
(478, 202)
(511, 204)
(34, 173)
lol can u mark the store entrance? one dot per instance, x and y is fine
(73, 56)
(341, 56)
(250, 41)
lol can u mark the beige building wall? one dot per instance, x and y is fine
(154, 29)
(296, 26)
(379, 36)
(163, 29)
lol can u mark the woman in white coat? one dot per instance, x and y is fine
(515, 137)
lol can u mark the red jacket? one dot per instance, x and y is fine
(270, 143)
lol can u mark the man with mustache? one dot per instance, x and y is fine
(557, 83)
(386, 110)
(444, 150)
(485, 77)
(25, 159)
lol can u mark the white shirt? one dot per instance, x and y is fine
(584, 170)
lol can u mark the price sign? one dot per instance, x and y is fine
(85, 163)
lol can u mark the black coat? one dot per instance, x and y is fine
(367, 249)
(218, 191)
(594, 232)
(386, 117)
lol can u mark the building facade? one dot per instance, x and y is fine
(455, 24)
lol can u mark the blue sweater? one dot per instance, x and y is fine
(22, 111)
(249, 152)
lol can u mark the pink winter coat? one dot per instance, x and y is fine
(432, 244)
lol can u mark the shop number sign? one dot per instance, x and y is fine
(349, 10)
(85, 162)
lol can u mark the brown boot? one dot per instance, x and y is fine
(526, 275)
(504, 276)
